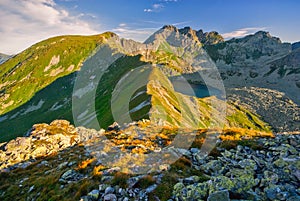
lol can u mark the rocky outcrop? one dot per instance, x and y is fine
(270, 173)
(252, 50)
(106, 164)
(209, 38)
(205, 38)
(43, 140)
(274, 107)
(287, 65)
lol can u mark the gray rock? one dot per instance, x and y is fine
(94, 193)
(248, 164)
(151, 188)
(114, 127)
(269, 178)
(184, 152)
(191, 180)
(294, 198)
(219, 196)
(102, 187)
(194, 150)
(70, 176)
(272, 192)
(109, 190)
(214, 166)
(62, 165)
(110, 197)
(191, 192)
(70, 164)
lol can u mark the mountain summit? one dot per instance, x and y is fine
(206, 38)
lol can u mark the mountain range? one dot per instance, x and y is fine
(38, 85)
(185, 115)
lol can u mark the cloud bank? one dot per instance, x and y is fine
(242, 32)
(25, 22)
(154, 8)
(138, 34)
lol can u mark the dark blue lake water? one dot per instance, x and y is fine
(197, 90)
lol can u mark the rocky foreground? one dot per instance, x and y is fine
(61, 162)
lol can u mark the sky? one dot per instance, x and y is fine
(25, 22)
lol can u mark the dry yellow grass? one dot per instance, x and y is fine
(85, 163)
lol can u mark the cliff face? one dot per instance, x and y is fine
(253, 50)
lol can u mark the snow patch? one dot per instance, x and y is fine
(140, 106)
(138, 94)
(15, 115)
(3, 118)
(80, 92)
(82, 115)
(34, 107)
(56, 106)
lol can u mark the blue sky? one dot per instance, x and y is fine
(24, 22)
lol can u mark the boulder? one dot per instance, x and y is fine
(219, 196)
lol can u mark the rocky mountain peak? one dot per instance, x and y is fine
(209, 38)
(206, 38)
(264, 35)
(169, 27)
(189, 32)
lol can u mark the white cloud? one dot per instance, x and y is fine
(148, 10)
(157, 6)
(140, 34)
(242, 32)
(154, 8)
(123, 25)
(25, 22)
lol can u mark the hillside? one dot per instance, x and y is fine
(158, 91)
(100, 77)
(175, 54)
(38, 66)
(59, 161)
(250, 62)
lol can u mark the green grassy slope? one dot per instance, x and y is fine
(46, 91)
(55, 101)
(56, 104)
(107, 84)
(41, 64)
(186, 111)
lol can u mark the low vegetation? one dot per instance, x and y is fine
(41, 64)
